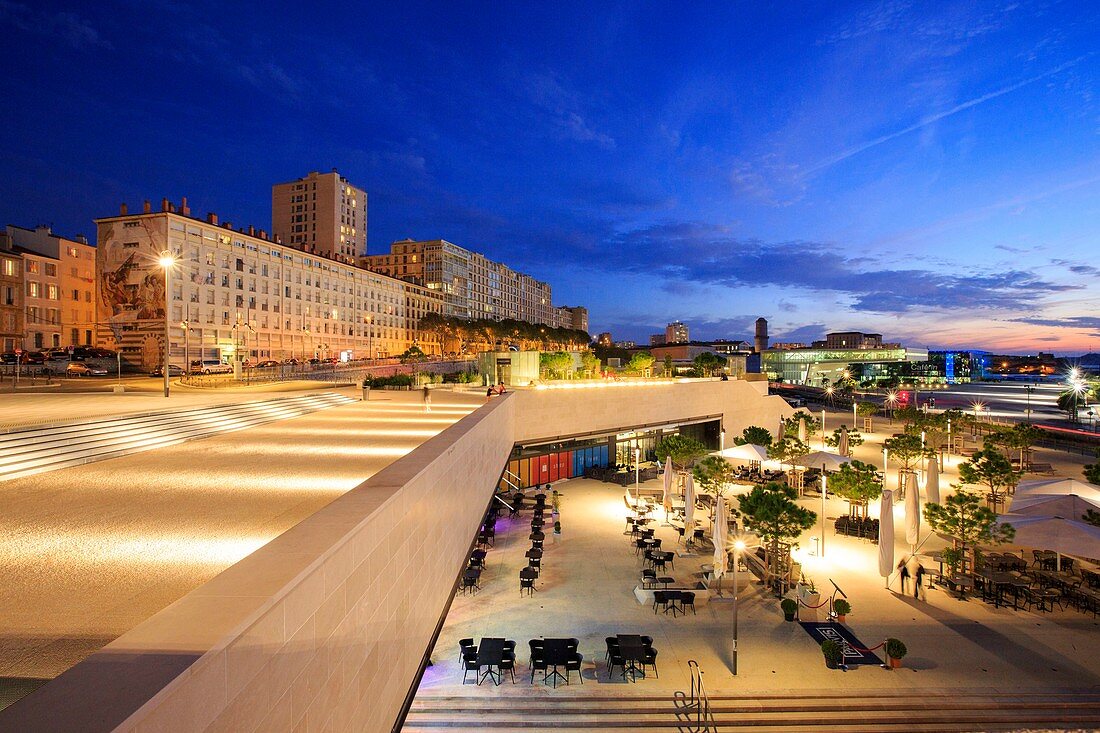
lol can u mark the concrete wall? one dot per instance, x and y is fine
(323, 628)
(604, 406)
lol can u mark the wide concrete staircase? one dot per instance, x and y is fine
(46, 448)
(779, 712)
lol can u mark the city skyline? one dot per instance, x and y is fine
(874, 167)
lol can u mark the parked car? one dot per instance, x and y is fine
(173, 371)
(57, 355)
(8, 357)
(80, 369)
(292, 360)
(34, 357)
(267, 364)
(211, 366)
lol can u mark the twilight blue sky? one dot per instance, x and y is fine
(927, 170)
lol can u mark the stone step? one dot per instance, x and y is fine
(37, 451)
(789, 710)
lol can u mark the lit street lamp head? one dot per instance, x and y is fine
(166, 260)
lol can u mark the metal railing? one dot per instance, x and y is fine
(698, 700)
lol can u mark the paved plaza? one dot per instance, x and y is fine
(586, 591)
(87, 553)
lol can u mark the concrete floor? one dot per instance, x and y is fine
(86, 553)
(586, 591)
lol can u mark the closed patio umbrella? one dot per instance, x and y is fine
(912, 510)
(886, 535)
(718, 534)
(689, 506)
(842, 444)
(802, 430)
(666, 499)
(932, 482)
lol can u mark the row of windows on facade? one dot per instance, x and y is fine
(225, 239)
(391, 318)
(53, 292)
(227, 318)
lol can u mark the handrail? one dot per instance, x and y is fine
(699, 699)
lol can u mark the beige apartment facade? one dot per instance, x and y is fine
(74, 262)
(11, 298)
(233, 294)
(472, 285)
(322, 214)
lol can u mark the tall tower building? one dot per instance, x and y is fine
(677, 333)
(321, 213)
(761, 340)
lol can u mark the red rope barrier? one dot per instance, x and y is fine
(861, 649)
(807, 605)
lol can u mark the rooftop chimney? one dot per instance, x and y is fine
(263, 234)
(123, 210)
(228, 225)
(251, 231)
(146, 207)
(164, 204)
(211, 218)
(184, 208)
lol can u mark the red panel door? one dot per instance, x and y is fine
(565, 465)
(541, 472)
(552, 459)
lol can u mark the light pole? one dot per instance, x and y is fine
(637, 489)
(1027, 413)
(738, 547)
(186, 326)
(166, 261)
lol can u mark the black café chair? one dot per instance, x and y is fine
(612, 643)
(538, 664)
(508, 664)
(649, 578)
(469, 664)
(660, 598)
(659, 561)
(465, 645)
(650, 659)
(573, 664)
(527, 584)
(687, 598)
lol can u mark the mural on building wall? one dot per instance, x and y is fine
(130, 287)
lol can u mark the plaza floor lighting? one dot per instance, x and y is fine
(166, 261)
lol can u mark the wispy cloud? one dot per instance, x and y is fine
(553, 95)
(70, 27)
(934, 118)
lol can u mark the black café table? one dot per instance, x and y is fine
(490, 654)
(665, 580)
(632, 650)
(536, 536)
(557, 653)
(534, 554)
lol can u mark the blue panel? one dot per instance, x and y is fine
(578, 462)
(602, 459)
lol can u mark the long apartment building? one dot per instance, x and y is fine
(11, 297)
(235, 292)
(472, 285)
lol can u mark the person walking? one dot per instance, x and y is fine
(903, 569)
(427, 399)
(918, 576)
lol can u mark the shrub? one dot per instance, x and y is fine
(834, 654)
(842, 607)
(895, 649)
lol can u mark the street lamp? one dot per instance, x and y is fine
(166, 261)
(637, 489)
(1029, 388)
(738, 547)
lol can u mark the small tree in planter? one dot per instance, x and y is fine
(754, 435)
(790, 607)
(867, 411)
(557, 527)
(841, 608)
(833, 653)
(771, 512)
(859, 483)
(681, 448)
(895, 650)
(991, 469)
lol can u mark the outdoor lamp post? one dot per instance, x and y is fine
(738, 548)
(166, 261)
(722, 440)
(823, 428)
(637, 489)
(1027, 412)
